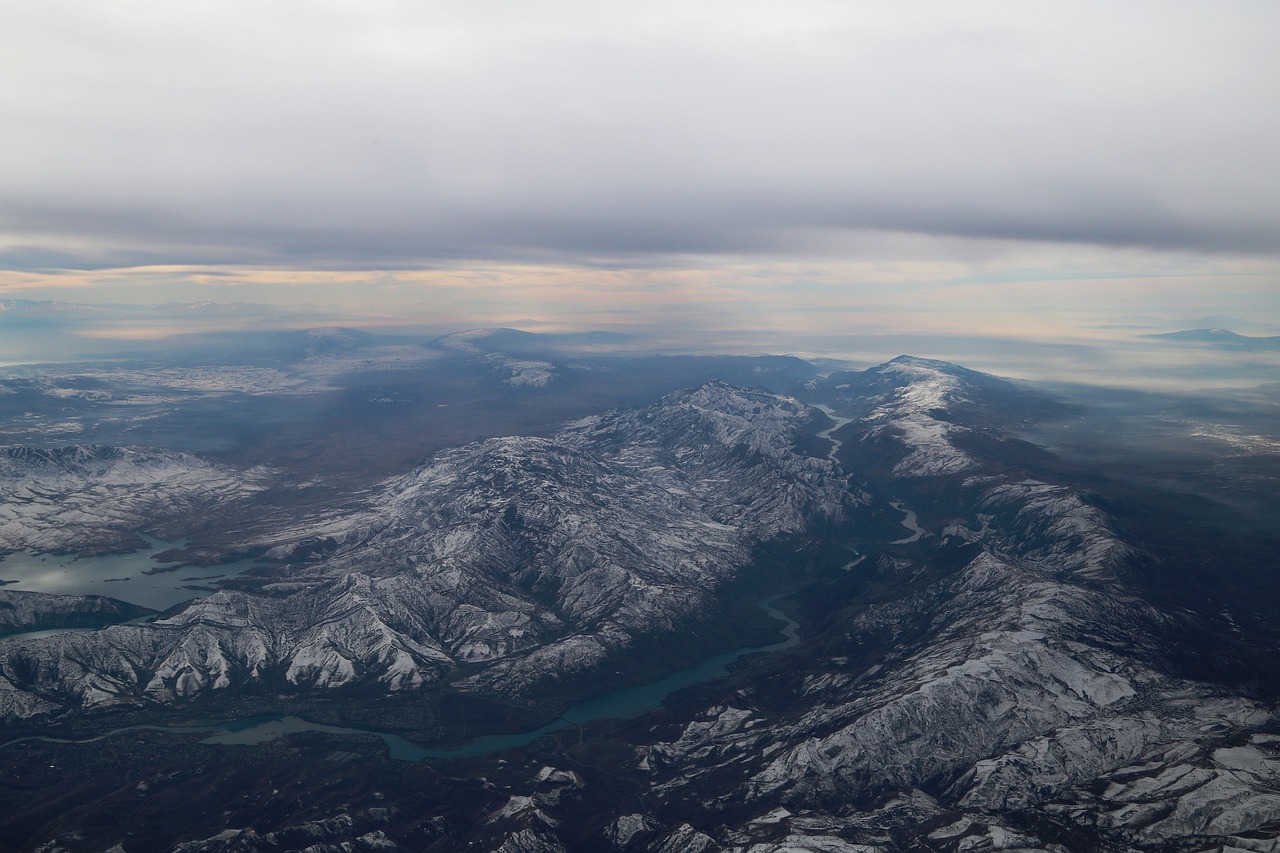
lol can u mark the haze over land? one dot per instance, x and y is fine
(830, 178)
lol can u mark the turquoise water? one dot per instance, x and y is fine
(247, 731)
(627, 703)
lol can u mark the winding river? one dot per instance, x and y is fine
(624, 704)
(910, 522)
(826, 433)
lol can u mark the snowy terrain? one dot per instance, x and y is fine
(93, 498)
(540, 557)
(996, 680)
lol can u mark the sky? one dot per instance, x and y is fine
(810, 171)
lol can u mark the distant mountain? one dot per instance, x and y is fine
(929, 408)
(522, 367)
(281, 348)
(1223, 338)
(529, 360)
(34, 331)
(37, 306)
(520, 343)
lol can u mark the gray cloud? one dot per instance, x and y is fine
(385, 134)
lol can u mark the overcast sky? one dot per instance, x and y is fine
(1049, 162)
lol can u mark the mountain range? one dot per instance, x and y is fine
(1222, 338)
(985, 658)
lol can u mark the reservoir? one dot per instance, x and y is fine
(840, 421)
(122, 576)
(624, 704)
(910, 522)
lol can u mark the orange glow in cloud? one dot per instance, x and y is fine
(1018, 294)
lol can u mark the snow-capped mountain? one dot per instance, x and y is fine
(30, 611)
(511, 370)
(996, 674)
(531, 559)
(1003, 687)
(914, 414)
(93, 498)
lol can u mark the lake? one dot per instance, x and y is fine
(121, 576)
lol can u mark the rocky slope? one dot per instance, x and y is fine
(529, 560)
(35, 611)
(92, 498)
(995, 685)
(913, 415)
(999, 679)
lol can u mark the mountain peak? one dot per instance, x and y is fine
(921, 404)
(917, 361)
(917, 368)
(486, 338)
(1218, 337)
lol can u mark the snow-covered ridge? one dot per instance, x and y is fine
(516, 371)
(924, 407)
(1000, 689)
(1054, 528)
(923, 389)
(1029, 681)
(31, 611)
(902, 400)
(88, 496)
(540, 557)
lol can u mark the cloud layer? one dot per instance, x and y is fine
(364, 135)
